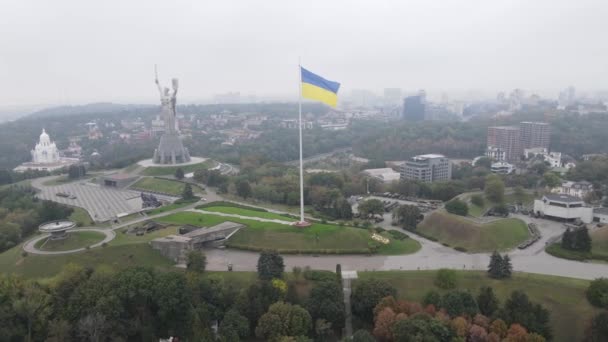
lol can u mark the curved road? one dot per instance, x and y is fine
(30, 245)
(432, 255)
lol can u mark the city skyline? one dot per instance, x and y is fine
(69, 53)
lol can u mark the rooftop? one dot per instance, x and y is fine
(603, 211)
(428, 156)
(563, 198)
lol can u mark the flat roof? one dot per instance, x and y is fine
(118, 176)
(603, 211)
(429, 156)
(563, 198)
(217, 228)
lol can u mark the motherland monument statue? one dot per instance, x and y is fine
(170, 150)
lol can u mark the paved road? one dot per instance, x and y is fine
(431, 256)
(29, 246)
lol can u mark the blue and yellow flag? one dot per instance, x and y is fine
(315, 87)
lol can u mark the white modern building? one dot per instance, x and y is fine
(502, 168)
(553, 158)
(385, 175)
(563, 207)
(496, 153)
(427, 168)
(45, 156)
(577, 189)
(600, 215)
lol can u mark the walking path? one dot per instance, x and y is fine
(30, 245)
(260, 219)
(431, 256)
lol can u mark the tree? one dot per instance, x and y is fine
(519, 309)
(196, 261)
(343, 210)
(494, 189)
(598, 328)
(234, 326)
(366, 294)
(243, 188)
(270, 265)
(484, 162)
(326, 302)
(371, 207)
(495, 266)
(457, 303)
(187, 194)
(520, 194)
(179, 173)
(76, 171)
(597, 293)
(506, 268)
(383, 322)
(31, 306)
(457, 207)
(420, 328)
(551, 180)
(446, 279)
(477, 200)
(407, 216)
(432, 298)
(362, 335)
(283, 319)
(487, 301)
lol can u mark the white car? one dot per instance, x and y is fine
(203, 199)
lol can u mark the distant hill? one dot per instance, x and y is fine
(91, 108)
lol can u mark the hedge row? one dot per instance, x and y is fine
(302, 251)
(398, 235)
(230, 204)
(557, 251)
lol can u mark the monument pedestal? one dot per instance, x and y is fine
(171, 150)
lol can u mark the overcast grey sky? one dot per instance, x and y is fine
(77, 51)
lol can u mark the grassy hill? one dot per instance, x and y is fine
(599, 248)
(170, 170)
(318, 238)
(457, 231)
(477, 211)
(563, 297)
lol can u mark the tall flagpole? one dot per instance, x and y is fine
(302, 222)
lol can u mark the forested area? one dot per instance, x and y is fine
(21, 213)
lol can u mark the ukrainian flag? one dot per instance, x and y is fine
(315, 87)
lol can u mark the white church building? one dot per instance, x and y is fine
(46, 157)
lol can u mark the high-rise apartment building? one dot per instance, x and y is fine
(534, 134)
(427, 168)
(414, 107)
(507, 139)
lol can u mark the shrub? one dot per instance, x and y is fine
(446, 279)
(445, 244)
(597, 293)
(460, 249)
(24, 254)
(320, 275)
(457, 207)
(105, 244)
(397, 235)
(477, 200)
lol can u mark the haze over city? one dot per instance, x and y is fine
(74, 52)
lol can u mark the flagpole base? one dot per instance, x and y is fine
(301, 224)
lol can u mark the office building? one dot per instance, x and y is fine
(534, 134)
(427, 168)
(414, 107)
(506, 139)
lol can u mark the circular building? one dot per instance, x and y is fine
(57, 229)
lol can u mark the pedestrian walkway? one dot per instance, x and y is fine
(289, 223)
(347, 277)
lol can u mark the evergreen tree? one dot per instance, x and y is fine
(494, 268)
(567, 239)
(583, 240)
(179, 173)
(187, 193)
(506, 268)
(487, 301)
(270, 265)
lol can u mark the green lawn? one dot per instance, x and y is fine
(116, 257)
(599, 248)
(170, 170)
(563, 297)
(457, 231)
(318, 238)
(172, 206)
(248, 212)
(477, 211)
(75, 240)
(81, 217)
(161, 185)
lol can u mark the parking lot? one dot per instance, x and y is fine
(102, 203)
